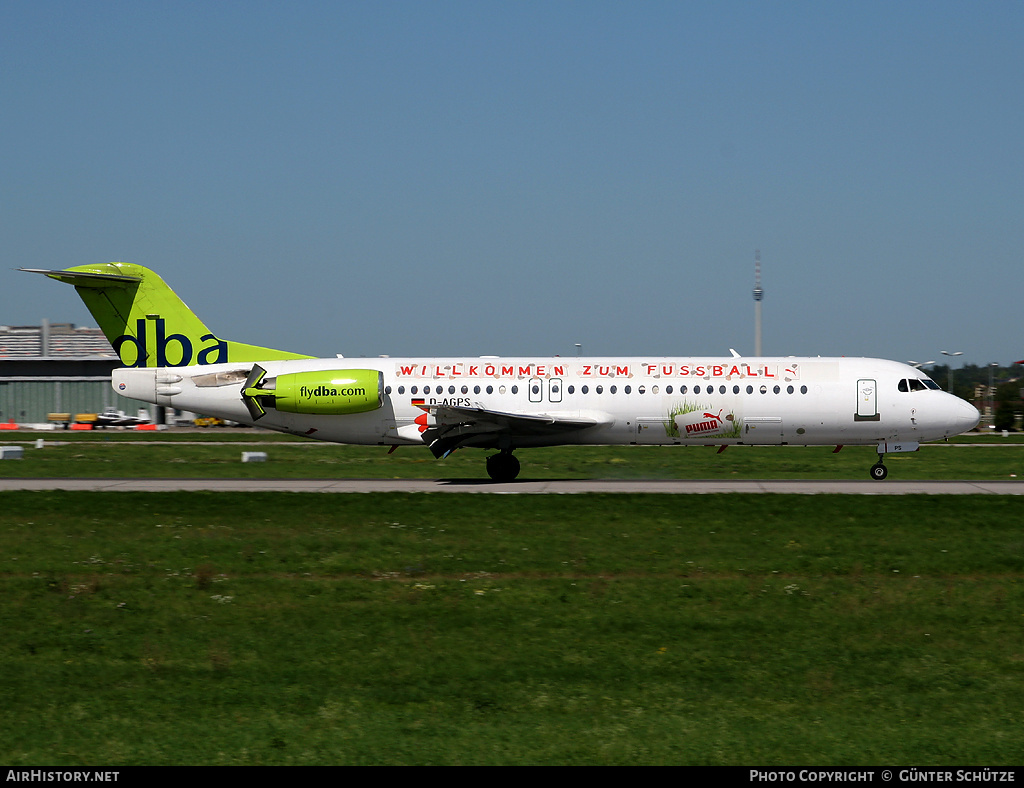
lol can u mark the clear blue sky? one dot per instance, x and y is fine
(439, 178)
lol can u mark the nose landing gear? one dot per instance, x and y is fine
(878, 470)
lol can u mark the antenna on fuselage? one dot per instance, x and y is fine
(758, 297)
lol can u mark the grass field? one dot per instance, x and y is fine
(229, 628)
(218, 454)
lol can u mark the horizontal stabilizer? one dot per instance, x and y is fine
(84, 278)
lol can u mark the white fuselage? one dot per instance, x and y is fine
(722, 401)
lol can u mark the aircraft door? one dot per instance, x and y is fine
(867, 401)
(555, 390)
(651, 430)
(536, 387)
(764, 430)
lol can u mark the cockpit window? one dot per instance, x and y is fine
(917, 384)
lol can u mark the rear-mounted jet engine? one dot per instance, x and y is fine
(324, 392)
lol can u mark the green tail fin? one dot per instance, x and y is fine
(147, 324)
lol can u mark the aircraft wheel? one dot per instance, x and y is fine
(503, 467)
(879, 471)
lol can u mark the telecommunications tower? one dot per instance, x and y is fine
(758, 297)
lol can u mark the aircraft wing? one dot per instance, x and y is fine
(451, 427)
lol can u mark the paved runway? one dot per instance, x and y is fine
(526, 486)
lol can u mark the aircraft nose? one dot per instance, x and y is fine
(966, 416)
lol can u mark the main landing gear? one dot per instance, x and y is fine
(503, 467)
(878, 470)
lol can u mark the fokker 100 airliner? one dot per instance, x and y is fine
(171, 358)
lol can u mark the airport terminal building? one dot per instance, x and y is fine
(56, 368)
